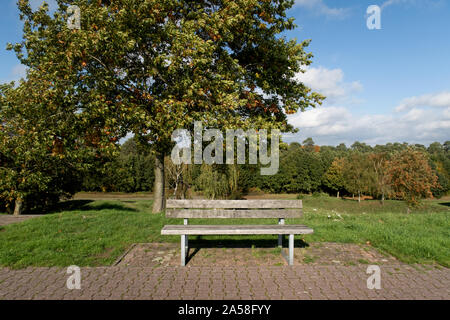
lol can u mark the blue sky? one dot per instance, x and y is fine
(382, 86)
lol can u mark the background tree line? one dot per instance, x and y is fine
(394, 171)
(391, 171)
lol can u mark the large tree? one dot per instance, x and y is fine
(151, 66)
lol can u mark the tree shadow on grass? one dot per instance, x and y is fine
(71, 205)
(447, 204)
(110, 206)
(67, 205)
(86, 205)
(196, 244)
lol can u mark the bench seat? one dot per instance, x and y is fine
(234, 229)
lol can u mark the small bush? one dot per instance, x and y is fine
(318, 194)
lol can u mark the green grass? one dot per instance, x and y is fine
(422, 236)
(95, 233)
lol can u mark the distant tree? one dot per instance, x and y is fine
(308, 144)
(295, 145)
(379, 162)
(435, 148)
(358, 175)
(420, 147)
(300, 171)
(440, 163)
(341, 147)
(138, 161)
(411, 176)
(443, 185)
(447, 146)
(361, 147)
(178, 178)
(131, 170)
(334, 176)
(214, 181)
(327, 155)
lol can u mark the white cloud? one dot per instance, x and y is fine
(319, 7)
(333, 125)
(414, 115)
(446, 113)
(329, 82)
(440, 99)
(391, 2)
(329, 120)
(422, 119)
(423, 3)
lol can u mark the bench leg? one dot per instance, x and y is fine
(280, 236)
(291, 249)
(183, 250)
(186, 221)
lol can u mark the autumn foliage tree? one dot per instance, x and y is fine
(151, 66)
(411, 176)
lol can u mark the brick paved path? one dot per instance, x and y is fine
(297, 282)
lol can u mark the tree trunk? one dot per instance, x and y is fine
(18, 207)
(175, 189)
(359, 197)
(159, 198)
(382, 199)
(337, 195)
(183, 192)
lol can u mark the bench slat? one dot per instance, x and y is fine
(220, 213)
(234, 229)
(234, 204)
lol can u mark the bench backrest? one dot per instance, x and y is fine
(190, 209)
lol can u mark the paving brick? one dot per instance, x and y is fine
(291, 283)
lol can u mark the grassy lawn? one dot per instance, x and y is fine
(93, 233)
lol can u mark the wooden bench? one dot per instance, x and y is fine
(193, 209)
